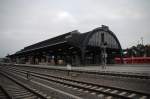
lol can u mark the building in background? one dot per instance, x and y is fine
(73, 48)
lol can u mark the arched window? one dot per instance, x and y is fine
(101, 37)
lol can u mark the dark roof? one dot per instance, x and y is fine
(74, 38)
(47, 42)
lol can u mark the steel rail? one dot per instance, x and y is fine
(23, 85)
(117, 74)
(46, 76)
(8, 96)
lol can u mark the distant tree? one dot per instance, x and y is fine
(147, 50)
(138, 51)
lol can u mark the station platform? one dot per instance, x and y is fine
(143, 69)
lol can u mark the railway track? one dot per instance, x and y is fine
(3, 93)
(105, 73)
(53, 93)
(95, 89)
(13, 89)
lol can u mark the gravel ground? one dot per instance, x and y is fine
(121, 82)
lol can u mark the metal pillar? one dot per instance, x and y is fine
(104, 55)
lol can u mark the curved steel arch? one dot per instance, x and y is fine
(111, 33)
(90, 34)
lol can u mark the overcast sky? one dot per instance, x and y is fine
(25, 22)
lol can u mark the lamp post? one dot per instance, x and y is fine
(104, 55)
(142, 40)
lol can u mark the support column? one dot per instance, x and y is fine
(30, 59)
(77, 60)
(17, 60)
(47, 59)
(83, 57)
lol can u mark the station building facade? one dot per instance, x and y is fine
(73, 48)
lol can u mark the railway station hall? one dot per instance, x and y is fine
(73, 48)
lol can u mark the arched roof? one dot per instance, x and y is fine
(94, 38)
(77, 39)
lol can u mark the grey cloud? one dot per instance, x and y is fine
(24, 22)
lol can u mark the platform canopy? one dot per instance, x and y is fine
(84, 45)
